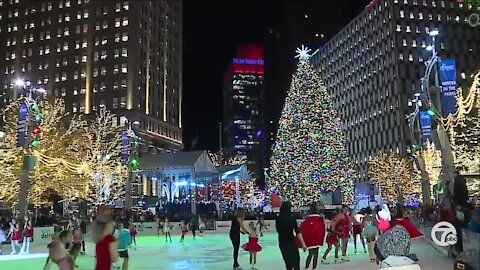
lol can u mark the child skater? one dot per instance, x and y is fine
(15, 236)
(166, 230)
(133, 234)
(27, 237)
(252, 246)
(184, 227)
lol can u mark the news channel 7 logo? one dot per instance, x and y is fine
(444, 234)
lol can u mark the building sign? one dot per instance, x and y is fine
(22, 125)
(426, 124)
(248, 66)
(448, 77)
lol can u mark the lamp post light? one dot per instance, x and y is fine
(433, 107)
(28, 102)
(132, 161)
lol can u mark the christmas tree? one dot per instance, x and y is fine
(309, 156)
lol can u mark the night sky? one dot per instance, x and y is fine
(213, 30)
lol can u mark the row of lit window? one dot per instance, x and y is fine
(434, 3)
(430, 16)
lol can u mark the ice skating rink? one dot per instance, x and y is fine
(214, 251)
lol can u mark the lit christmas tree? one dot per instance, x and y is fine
(309, 157)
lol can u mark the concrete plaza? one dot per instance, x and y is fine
(214, 251)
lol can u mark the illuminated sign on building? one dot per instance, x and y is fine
(248, 61)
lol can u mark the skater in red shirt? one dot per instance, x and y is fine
(332, 240)
(106, 244)
(313, 231)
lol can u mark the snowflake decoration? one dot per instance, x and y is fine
(304, 53)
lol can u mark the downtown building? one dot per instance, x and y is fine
(243, 114)
(373, 66)
(122, 55)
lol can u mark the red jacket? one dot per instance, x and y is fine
(313, 231)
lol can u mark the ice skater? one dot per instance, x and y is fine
(332, 240)
(184, 227)
(201, 225)
(3, 238)
(357, 229)
(342, 229)
(133, 234)
(28, 236)
(313, 231)
(252, 246)
(159, 226)
(167, 229)
(370, 232)
(15, 236)
(261, 224)
(384, 217)
(124, 241)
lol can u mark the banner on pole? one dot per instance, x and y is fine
(448, 78)
(125, 147)
(426, 124)
(22, 125)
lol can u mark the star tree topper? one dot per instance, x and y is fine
(303, 53)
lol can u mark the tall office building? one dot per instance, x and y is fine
(242, 107)
(124, 55)
(373, 67)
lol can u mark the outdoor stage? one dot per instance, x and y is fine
(213, 251)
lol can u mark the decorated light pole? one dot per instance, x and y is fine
(29, 118)
(129, 155)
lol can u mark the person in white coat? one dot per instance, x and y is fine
(393, 250)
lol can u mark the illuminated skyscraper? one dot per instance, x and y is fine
(124, 55)
(242, 107)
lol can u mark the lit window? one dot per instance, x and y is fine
(125, 5)
(124, 52)
(117, 7)
(442, 45)
(82, 90)
(85, 28)
(64, 76)
(103, 71)
(105, 10)
(439, 17)
(404, 43)
(430, 17)
(85, 14)
(60, 4)
(77, 44)
(47, 35)
(84, 58)
(83, 74)
(457, 18)
(115, 103)
(116, 53)
(104, 55)
(414, 43)
(67, 3)
(57, 78)
(402, 14)
(400, 56)
(117, 22)
(67, 17)
(123, 102)
(13, 56)
(95, 87)
(102, 87)
(95, 56)
(30, 38)
(410, 57)
(408, 29)
(125, 21)
(115, 69)
(124, 84)
(117, 37)
(115, 85)
(75, 75)
(124, 68)
(79, 15)
(105, 25)
(65, 46)
(125, 37)
(47, 49)
(66, 32)
(95, 72)
(84, 43)
(75, 90)
(97, 26)
(59, 33)
(104, 40)
(411, 15)
(463, 76)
